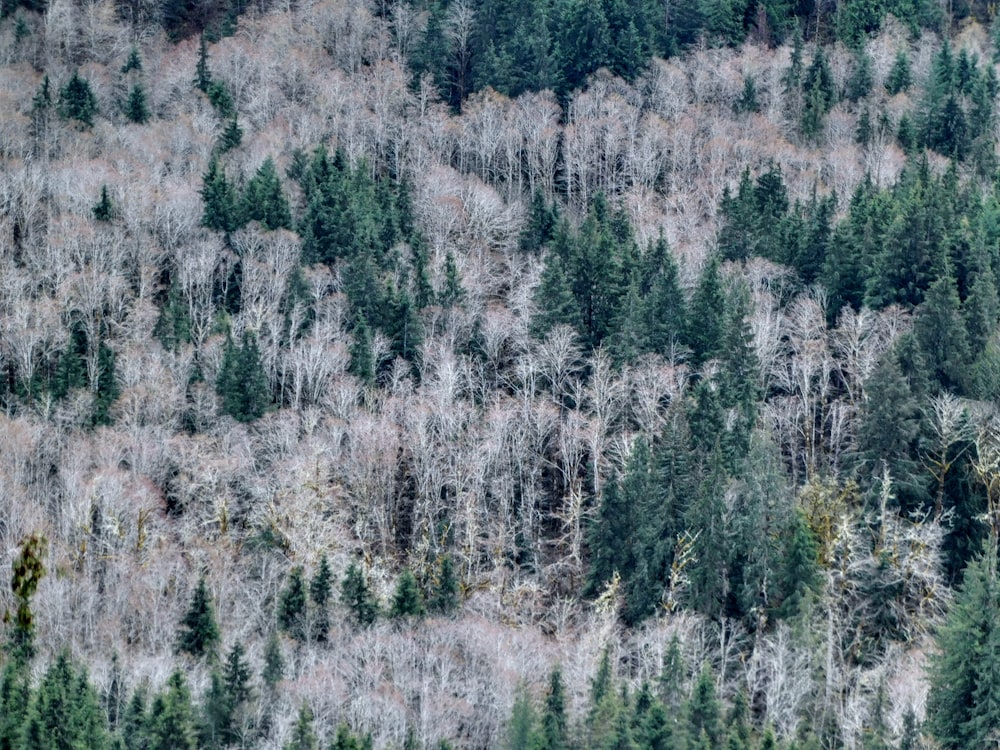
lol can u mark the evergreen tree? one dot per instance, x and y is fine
(134, 723)
(77, 101)
(407, 601)
(202, 75)
(555, 726)
(27, 570)
(356, 595)
(899, 78)
(523, 725)
(199, 634)
(216, 725)
(65, 711)
(171, 723)
(941, 333)
(705, 316)
(362, 361)
(241, 382)
(219, 198)
(134, 62)
(320, 588)
(292, 605)
(136, 106)
(263, 199)
(303, 736)
(963, 707)
(703, 710)
(749, 100)
(274, 663)
(104, 209)
(232, 136)
(445, 597)
(862, 77)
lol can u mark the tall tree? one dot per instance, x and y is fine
(199, 634)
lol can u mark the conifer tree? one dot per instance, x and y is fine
(104, 209)
(241, 382)
(232, 136)
(356, 595)
(445, 596)
(705, 315)
(202, 75)
(320, 588)
(171, 723)
(407, 601)
(136, 106)
(523, 725)
(555, 725)
(236, 674)
(199, 634)
(263, 199)
(303, 736)
(77, 101)
(292, 605)
(274, 663)
(899, 78)
(219, 198)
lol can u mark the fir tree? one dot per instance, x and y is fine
(274, 663)
(219, 199)
(320, 588)
(134, 62)
(292, 605)
(356, 595)
(263, 199)
(241, 382)
(232, 136)
(555, 726)
(77, 101)
(171, 723)
(445, 596)
(136, 107)
(199, 634)
(303, 737)
(104, 209)
(899, 78)
(202, 75)
(407, 600)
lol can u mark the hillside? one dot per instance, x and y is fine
(542, 374)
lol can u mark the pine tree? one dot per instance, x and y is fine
(216, 725)
(320, 588)
(292, 605)
(77, 101)
(362, 360)
(199, 634)
(523, 725)
(705, 315)
(236, 674)
(356, 595)
(134, 62)
(407, 601)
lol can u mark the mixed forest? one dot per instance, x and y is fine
(532, 374)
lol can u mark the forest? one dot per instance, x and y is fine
(526, 374)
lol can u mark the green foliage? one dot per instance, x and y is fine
(221, 100)
(65, 711)
(748, 101)
(171, 723)
(899, 78)
(219, 199)
(232, 136)
(407, 601)
(274, 663)
(703, 709)
(303, 737)
(292, 605)
(202, 75)
(77, 101)
(963, 706)
(444, 597)
(136, 106)
(320, 588)
(263, 199)
(554, 733)
(199, 634)
(862, 77)
(27, 570)
(241, 382)
(356, 595)
(134, 62)
(104, 209)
